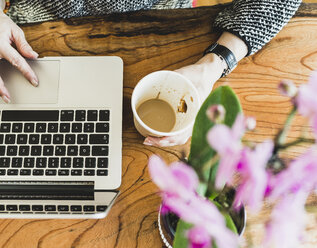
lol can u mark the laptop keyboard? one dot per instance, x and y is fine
(54, 142)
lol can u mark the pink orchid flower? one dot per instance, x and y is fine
(306, 100)
(199, 238)
(227, 142)
(287, 222)
(176, 180)
(299, 176)
(254, 178)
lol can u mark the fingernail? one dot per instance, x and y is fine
(35, 54)
(147, 143)
(5, 99)
(34, 82)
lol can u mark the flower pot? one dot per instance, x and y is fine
(168, 222)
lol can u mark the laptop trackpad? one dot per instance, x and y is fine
(22, 91)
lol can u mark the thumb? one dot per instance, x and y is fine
(22, 45)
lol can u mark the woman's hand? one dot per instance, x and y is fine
(11, 34)
(203, 75)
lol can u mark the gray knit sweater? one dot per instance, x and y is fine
(254, 21)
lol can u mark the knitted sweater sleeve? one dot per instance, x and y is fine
(256, 22)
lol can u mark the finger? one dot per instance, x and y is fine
(4, 93)
(22, 45)
(165, 141)
(12, 55)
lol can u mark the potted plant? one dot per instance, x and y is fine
(197, 193)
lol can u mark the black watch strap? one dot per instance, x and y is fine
(225, 54)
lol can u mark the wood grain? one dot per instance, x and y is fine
(154, 40)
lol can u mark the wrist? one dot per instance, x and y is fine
(213, 63)
(2, 5)
(234, 44)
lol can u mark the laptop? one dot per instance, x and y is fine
(60, 143)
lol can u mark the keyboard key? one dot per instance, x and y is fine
(67, 115)
(53, 162)
(30, 115)
(2, 172)
(34, 139)
(58, 139)
(4, 162)
(5, 127)
(63, 208)
(46, 139)
(2, 150)
(12, 208)
(80, 115)
(66, 162)
(24, 208)
(101, 208)
(102, 163)
(1, 138)
(84, 150)
(60, 150)
(72, 150)
(92, 115)
(25, 172)
(24, 151)
(28, 127)
(104, 115)
(98, 139)
(37, 208)
(48, 150)
(22, 139)
(2, 207)
(64, 127)
(89, 208)
(70, 139)
(90, 163)
(102, 127)
(63, 172)
(13, 172)
(41, 162)
(78, 162)
(76, 172)
(89, 172)
(102, 172)
(17, 127)
(89, 127)
(52, 127)
(41, 127)
(9, 139)
(12, 150)
(77, 127)
(100, 151)
(36, 150)
(50, 208)
(75, 208)
(28, 163)
(16, 162)
(38, 172)
(50, 172)
(82, 139)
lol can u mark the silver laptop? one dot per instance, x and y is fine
(60, 143)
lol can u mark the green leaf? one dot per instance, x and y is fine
(180, 241)
(200, 151)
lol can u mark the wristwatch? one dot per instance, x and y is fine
(225, 55)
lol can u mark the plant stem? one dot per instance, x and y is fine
(296, 142)
(280, 139)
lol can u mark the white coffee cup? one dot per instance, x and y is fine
(172, 88)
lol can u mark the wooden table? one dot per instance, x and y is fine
(156, 40)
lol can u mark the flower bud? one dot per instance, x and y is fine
(216, 113)
(287, 88)
(250, 123)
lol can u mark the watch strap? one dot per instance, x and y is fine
(225, 54)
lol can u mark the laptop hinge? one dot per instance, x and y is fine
(44, 190)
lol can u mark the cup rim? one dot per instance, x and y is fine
(155, 132)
